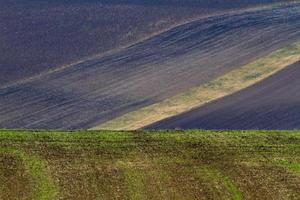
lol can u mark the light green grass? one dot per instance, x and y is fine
(219, 183)
(227, 84)
(295, 167)
(44, 187)
(136, 184)
(154, 165)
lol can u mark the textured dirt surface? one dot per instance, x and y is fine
(40, 35)
(99, 89)
(270, 104)
(170, 165)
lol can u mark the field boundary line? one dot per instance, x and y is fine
(143, 39)
(225, 85)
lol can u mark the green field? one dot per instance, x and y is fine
(149, 165)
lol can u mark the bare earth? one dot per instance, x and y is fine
(272, 104)
(37, 36)
(99, 89)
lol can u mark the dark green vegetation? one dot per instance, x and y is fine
(150, 165)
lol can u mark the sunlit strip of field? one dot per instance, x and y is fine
(227, 84)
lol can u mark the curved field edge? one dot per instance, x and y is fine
(52, 63)
(225, 85)
(164, 164)
(44, 187)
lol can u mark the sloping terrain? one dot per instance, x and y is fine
(192, 98)
(149, 165)
(40, 35)
(271, 104)
(101, 88)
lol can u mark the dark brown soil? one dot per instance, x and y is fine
(13, 177)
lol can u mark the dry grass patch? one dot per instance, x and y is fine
(227, 84)
(150, 165)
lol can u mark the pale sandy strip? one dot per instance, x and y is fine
(227, 84)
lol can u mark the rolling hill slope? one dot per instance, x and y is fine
(98, 89)
(42, 35)
(271, 104)
(195, 97)
(37, 36)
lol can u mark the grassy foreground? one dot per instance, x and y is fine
(149, 165)
(227, 84)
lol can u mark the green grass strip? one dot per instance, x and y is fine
(44, 187)
(292, 166)
(136, 184)
(143, 183)
(227, 84)
(214, 177)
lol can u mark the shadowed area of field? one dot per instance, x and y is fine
(149, 165)
(271, 104)
(201, 3)
(99, 89)
(40, 35)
